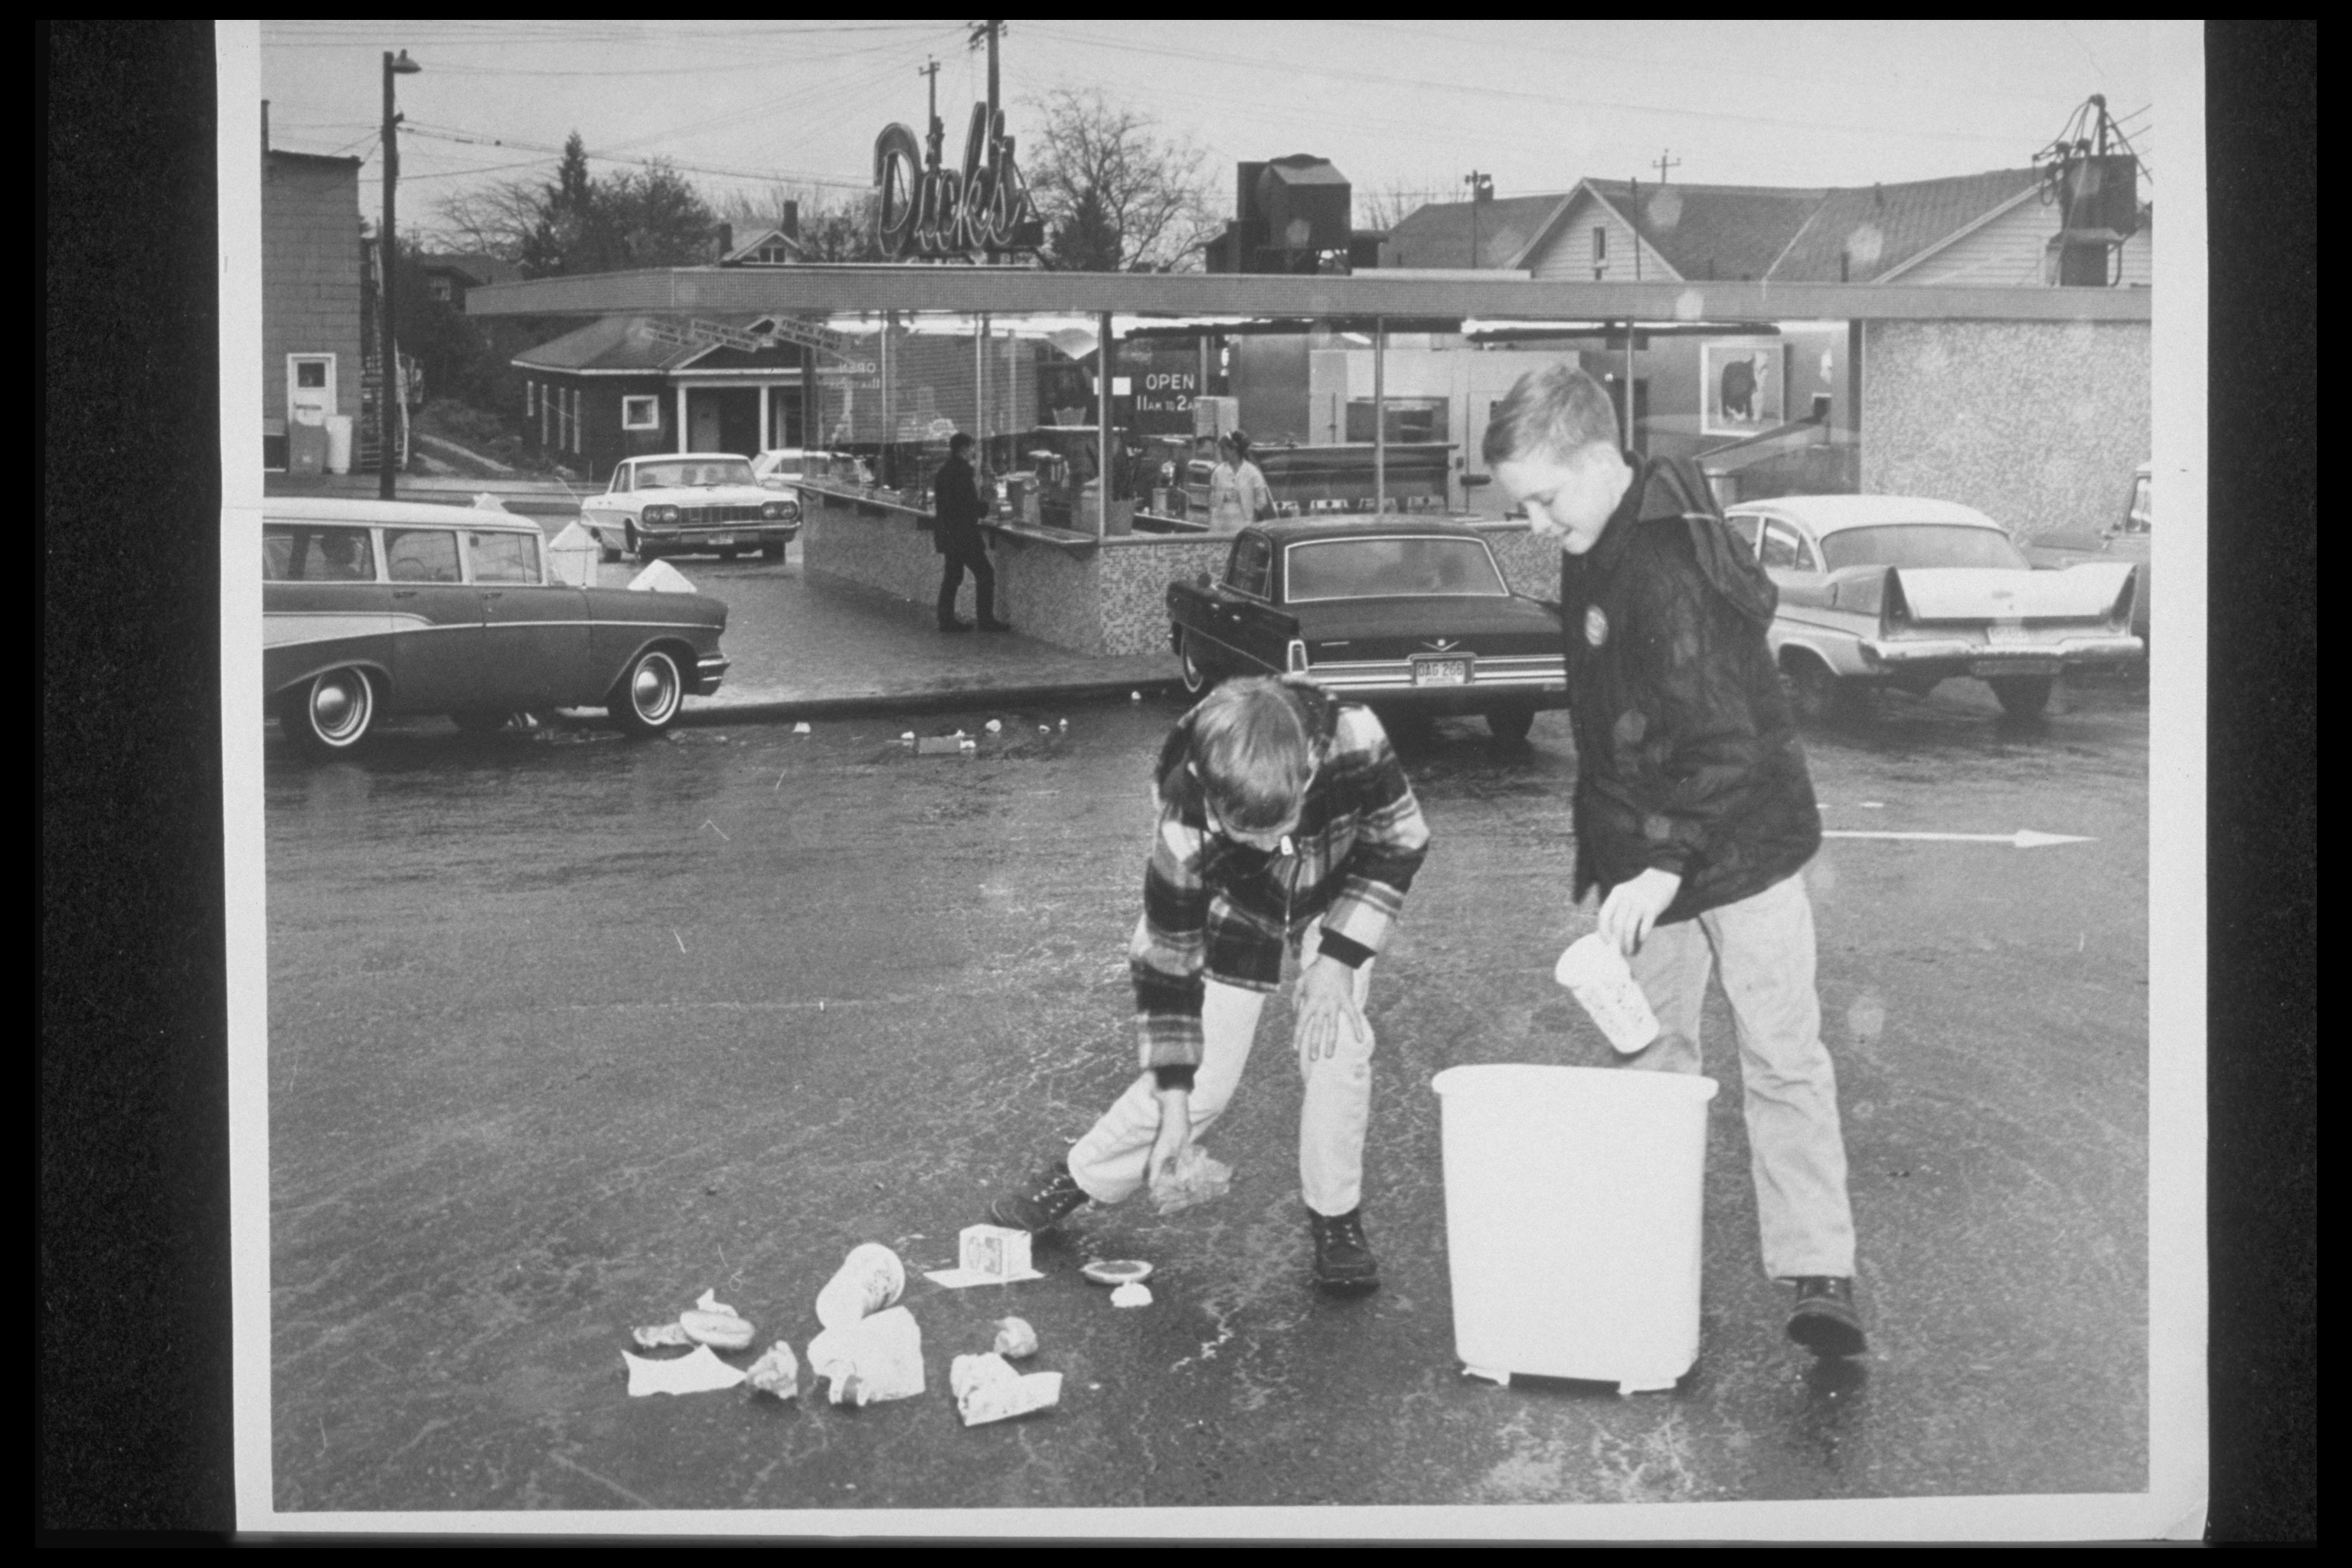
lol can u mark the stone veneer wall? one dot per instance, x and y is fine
(2038, 425)
(1107, 599)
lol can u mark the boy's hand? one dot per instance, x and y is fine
(1632, 907)
(1327, 1004)
(1174, 1137)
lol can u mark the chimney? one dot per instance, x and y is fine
(791, 224)
(726, 240)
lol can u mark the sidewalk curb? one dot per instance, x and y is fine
(879, 703)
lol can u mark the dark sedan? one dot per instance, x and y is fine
(376, 607)
(1408, 617)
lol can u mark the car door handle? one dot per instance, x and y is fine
(403, 592)
(498, 594)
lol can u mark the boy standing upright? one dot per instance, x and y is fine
(1284, 823)
(1694, 809)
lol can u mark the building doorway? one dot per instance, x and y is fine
(723, 419)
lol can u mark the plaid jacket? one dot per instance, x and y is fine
(1215, 907)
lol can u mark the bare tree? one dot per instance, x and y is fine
(1115, 195)
(1385, 206)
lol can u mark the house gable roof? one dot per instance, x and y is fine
(1713, 232)
(747, 254)
(1438, 234)
(613, 345)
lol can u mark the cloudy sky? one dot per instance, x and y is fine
(1412, 104)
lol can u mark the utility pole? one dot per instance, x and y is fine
(935, 133)
(1482, 189)
(1664, 163)
(388, 389)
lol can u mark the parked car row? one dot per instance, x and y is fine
(1875, 591)
(371, 608)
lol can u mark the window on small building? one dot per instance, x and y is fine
(576, 419)
(311, 373)
(441, 290)
(641, 414)
(1600, 242)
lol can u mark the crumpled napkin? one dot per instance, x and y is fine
(1196, 1179)
(701, 1372)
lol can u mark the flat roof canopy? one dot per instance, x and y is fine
(1423, 301)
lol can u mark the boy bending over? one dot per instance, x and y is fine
(1284, 823)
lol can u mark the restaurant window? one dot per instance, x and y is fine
(1407, 419)
(641, 414)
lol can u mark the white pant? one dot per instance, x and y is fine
(1109, 1162)
(1764, 945)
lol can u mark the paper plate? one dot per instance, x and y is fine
(1117, 1271)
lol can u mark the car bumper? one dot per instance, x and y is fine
(1963, 656)
(708, 671)
(1539, 683)
(741, 533)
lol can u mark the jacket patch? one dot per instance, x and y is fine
(1596, 626)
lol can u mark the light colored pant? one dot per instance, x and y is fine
(1764, 946)
(1108, 1161)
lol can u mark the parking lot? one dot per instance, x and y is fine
(566, 1029)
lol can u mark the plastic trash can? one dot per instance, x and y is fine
(339, 443)
(1573, 1220)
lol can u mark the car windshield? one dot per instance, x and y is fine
(699, 472)
(1917, 544)
(1391, 569)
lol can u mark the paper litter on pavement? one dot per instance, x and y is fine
(701, 1372)
(963, 1279)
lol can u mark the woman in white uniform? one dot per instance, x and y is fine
(1238, 493)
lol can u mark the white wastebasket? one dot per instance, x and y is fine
(1573, 1220)
(339, 443)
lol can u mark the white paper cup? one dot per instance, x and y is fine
(869, 1279)
(1597, 974)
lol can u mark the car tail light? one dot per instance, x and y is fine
(2120, 612)
(1298, 656)
(1895, 607)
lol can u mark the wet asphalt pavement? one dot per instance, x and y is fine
(566, 1029)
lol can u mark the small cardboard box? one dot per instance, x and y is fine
(996, 1251)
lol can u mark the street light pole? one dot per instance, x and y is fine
(388, 387)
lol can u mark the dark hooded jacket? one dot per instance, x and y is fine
(1687, 757)
(956, 503)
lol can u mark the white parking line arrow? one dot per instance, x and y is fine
(2023, 839)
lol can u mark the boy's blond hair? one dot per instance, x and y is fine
(1251, 749)
(1555, 412)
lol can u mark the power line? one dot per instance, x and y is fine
(1489, 92)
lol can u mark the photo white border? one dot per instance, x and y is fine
(2173, 1509)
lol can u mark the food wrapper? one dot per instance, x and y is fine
(1015, 1340)
(714, 1324)
(987, 1388)
(1196, 1179)
(778, 1372)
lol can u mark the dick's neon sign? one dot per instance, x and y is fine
(933, 210)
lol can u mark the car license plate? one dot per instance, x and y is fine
(1441, 672)
(722, 539)
(1984, 669)
(2002, 634)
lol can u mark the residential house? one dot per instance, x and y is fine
(447, 278)
(313, 310)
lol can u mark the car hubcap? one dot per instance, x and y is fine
(339, 706)
(654, 689)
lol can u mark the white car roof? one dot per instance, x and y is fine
(387, 514)
(1833, 514)
(688, 457)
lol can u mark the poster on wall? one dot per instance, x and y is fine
(1740, 384)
